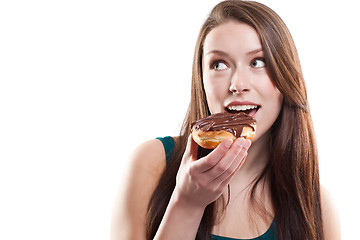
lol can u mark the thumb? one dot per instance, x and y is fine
(191, 150)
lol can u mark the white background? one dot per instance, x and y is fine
(84, 82)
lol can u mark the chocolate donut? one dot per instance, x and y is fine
(208, 132)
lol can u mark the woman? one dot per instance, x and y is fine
(265, 189)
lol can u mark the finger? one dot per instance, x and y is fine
(242, 155)
(191, 149)
(225, 178)
(228, 164)
(209, 161)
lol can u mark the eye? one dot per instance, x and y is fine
(219, 65)
(258, 63)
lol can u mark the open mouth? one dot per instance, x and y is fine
(248, 109)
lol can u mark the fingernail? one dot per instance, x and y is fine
(240, 141)
(247, 144)
(227, 143)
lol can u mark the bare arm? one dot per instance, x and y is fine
(141, 175)
(330, 216)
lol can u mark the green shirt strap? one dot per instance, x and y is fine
(169, 146)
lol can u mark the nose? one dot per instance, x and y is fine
(239, 83)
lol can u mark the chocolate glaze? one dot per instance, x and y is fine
(231, 122)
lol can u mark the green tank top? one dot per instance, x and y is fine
(270, 234)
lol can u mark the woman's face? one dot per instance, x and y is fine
(235, 75)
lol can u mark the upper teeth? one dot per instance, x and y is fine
(242, 107)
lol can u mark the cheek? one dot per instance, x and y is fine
(216, 91)
(270, 92)
(272, 99)
(213, 89)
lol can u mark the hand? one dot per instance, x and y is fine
(200, 182)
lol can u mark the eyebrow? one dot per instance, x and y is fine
(252, 52)
(255, 51)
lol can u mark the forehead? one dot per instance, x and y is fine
(232, 36)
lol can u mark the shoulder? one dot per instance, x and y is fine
(142, 172)
(145, 166)
(149, 156)
(330, 215)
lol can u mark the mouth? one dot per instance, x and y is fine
(248, 109)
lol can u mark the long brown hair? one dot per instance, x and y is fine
(292, 170)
